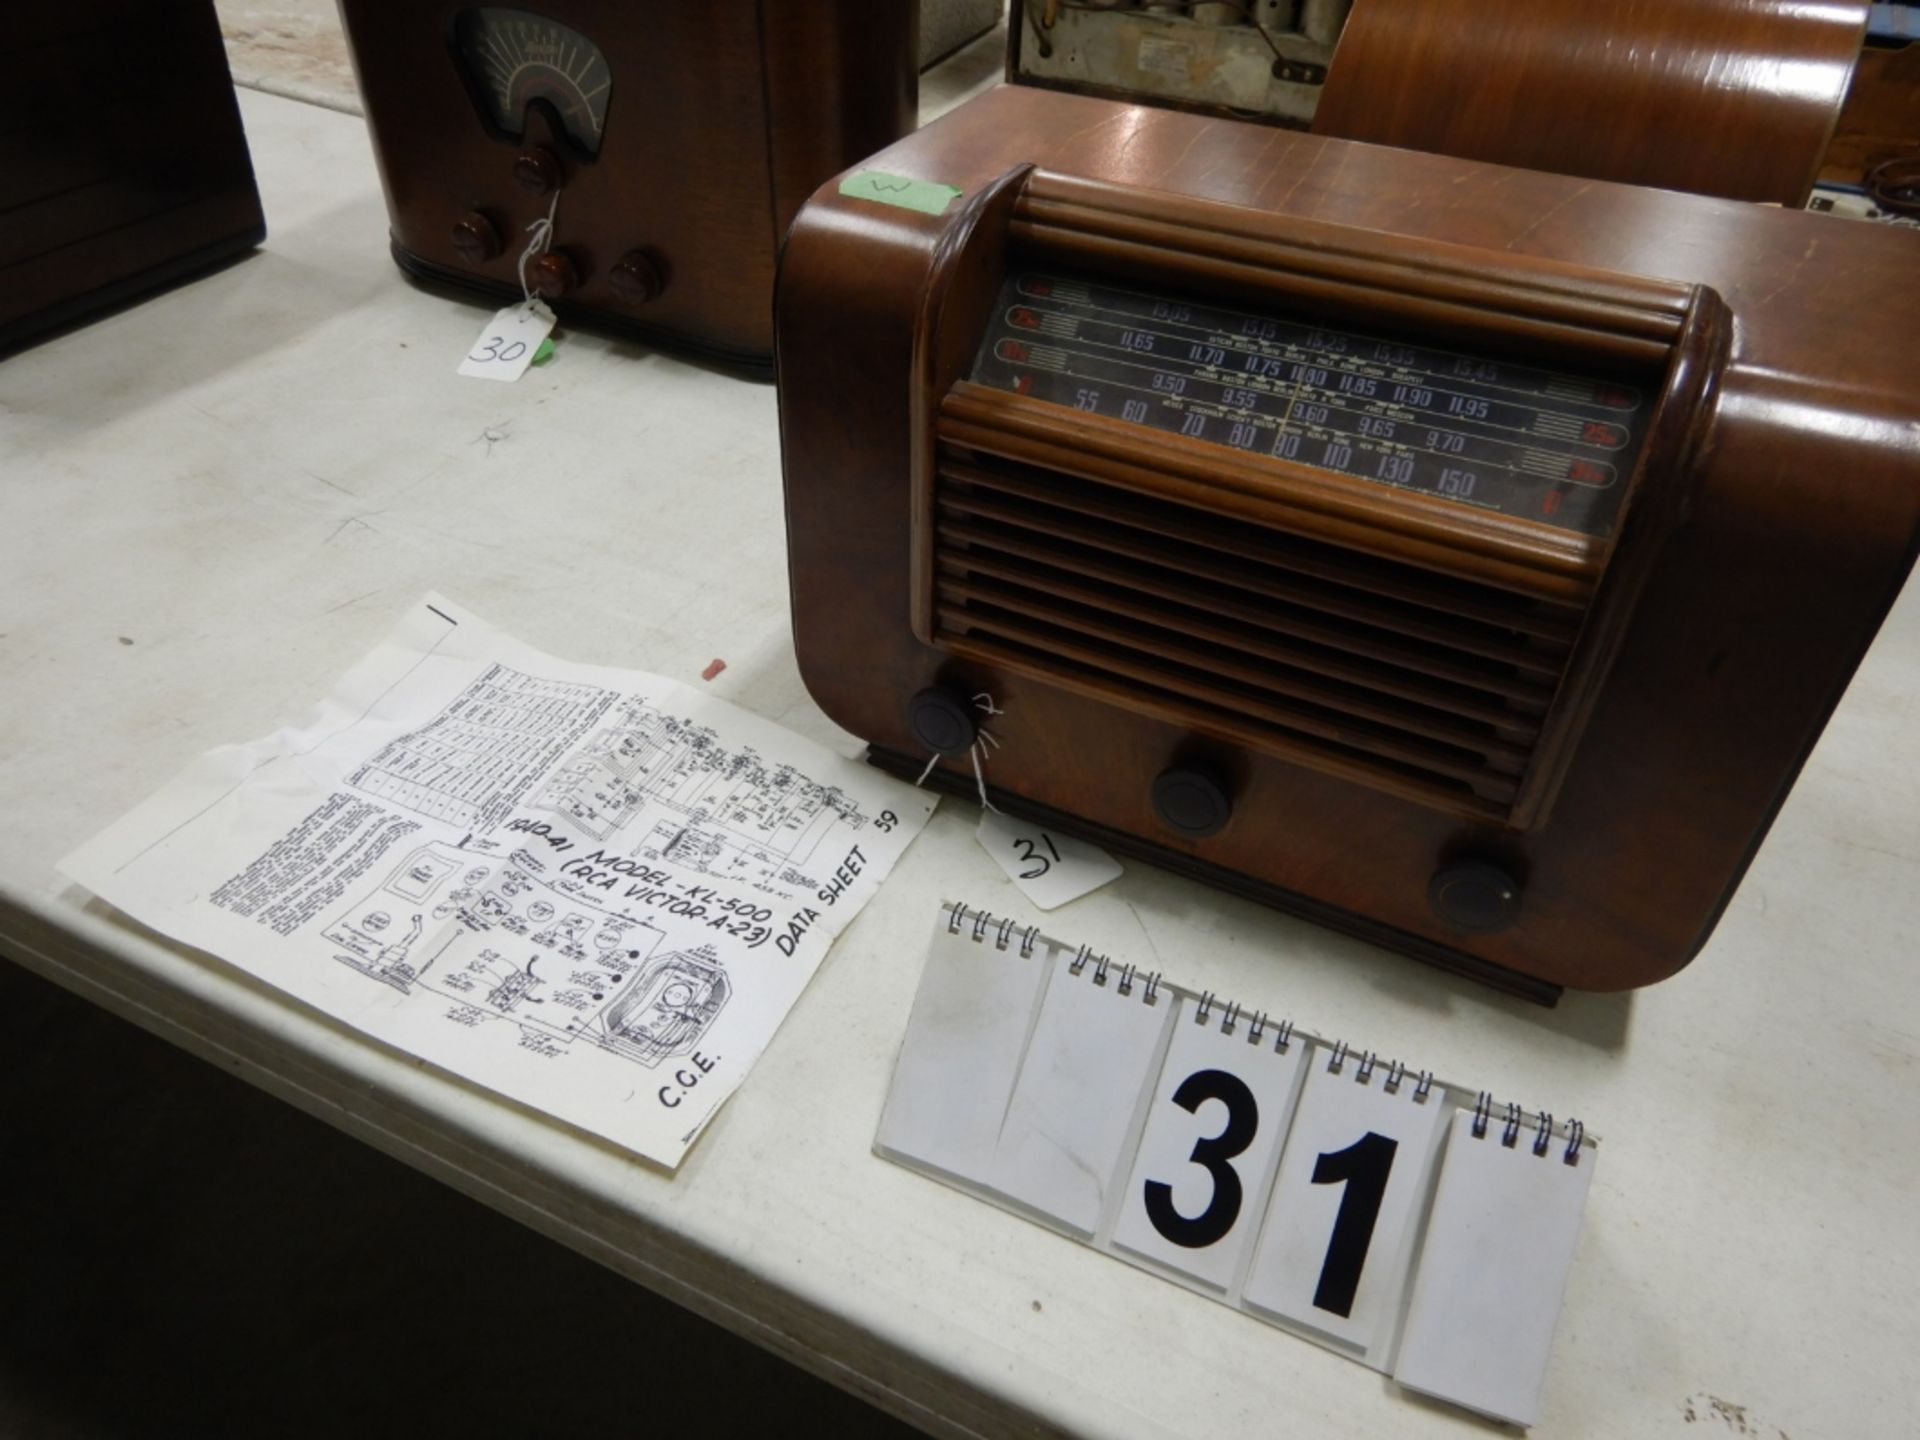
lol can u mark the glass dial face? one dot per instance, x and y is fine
(515, 57)
(1496, 434)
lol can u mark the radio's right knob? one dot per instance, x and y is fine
(636, 277)
(942, 721)
(1474, 896)
(1192, 800)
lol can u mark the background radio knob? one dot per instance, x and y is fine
(942, 721)
(637, 277)
(537, 169)
(475, 239)
(1192, 799)
(551, 275)
(1474, 896)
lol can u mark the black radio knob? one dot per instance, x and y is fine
(1474, 896)
(1192, 800)
(942, 721)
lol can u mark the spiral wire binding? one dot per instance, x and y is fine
(1510, 1132)
(1258, 1022)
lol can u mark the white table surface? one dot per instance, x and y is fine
(215, 502)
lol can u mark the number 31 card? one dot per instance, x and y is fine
(1290, 1179)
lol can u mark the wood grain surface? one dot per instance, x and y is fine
(1721, 97)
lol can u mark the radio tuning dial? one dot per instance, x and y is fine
(551, 275)
(1474, 896)
(1192, 799)
(942, 721)
(537, 169)
(475, 238)
(637, 277)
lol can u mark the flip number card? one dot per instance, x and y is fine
(1493, 1270)
(1339, 1231)
(961, 1058)
(1220, 1109)
(1093, 1047)
(1284, 1177)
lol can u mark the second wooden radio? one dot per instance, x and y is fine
(1464, 557)
(671, 141)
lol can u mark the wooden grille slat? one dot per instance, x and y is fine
(1421, 683)
(1508, 697)
(1360, 736)
(1264, 547)
(1185, 631)
(1038, 544)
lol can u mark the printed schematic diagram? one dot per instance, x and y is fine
(505, 944)
(725, 813)
(470, 764)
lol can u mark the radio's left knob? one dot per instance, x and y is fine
(942, 721)
(551, 275)
(475, 238)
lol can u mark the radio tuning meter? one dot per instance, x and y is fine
(515, 59)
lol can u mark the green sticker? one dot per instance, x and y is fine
(927, 196)
(543, 354)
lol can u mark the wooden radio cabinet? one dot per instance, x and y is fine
(125, 165)
(1464, 557)
(671, 141)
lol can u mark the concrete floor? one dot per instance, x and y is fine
(181, 1255)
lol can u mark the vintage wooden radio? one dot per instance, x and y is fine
(671, 141)
(1720, 97)
(1460, 556)
(125, 165)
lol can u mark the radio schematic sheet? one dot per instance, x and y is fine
(596, 892)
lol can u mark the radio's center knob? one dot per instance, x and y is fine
(475, 239)
(942, 721)
(551, 275)
(1474, 896)
(1192, 799)
(537, 169)
(637, 277)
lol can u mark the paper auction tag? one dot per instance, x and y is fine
(1049, 868)
(509, 342)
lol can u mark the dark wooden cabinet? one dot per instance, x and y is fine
(1461, 556)
(123, 166)
(671, 140)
